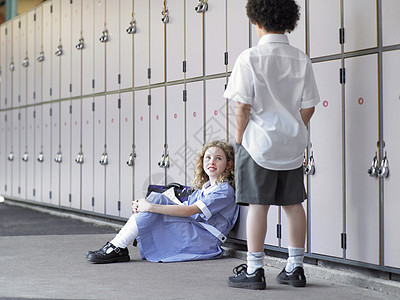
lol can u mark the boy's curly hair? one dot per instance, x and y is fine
(274, 15)
(200, 177)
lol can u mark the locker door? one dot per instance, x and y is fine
(38, 151)
(391, 110)
(157, 135)
(142, 147)
(297, 37)
(56, 151)
(65, 58)
(157, 45)
(76, 53)
(175, 40)
(193, 40)
(30, 49)
(47, 53)
(88, 51)
(362, 204)
(237, 30)
(231, 122)
(76, 167)
(15, 61)
(30, 150)
(176, 134)
(23, 149)
(22, 56)
(215, 37)
(55, 44)
(126, 146)
(113, 46)
(325, 186)
(9, 153)
(360, 24)
(65, 142)
(390, 20)
(37, 51)
(99, 47)
(126, 45)
(9, 62)
(216, 110)
(324, 26)
(3, 155)
(16, 146)
(3, 65)
(112, 143)
(194, 126)
(99, 143)
(89, 157)
(47, 153)
(141, 43)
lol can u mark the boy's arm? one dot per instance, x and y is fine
(242, 116)
(306, 114)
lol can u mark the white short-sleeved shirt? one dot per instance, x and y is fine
(277, 80)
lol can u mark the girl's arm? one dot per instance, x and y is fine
(142, 205)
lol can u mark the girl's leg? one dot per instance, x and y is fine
(127, 234)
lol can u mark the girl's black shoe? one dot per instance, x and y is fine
(102, 257)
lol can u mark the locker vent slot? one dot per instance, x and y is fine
(341, 36)
(344, 240)
(279, 231)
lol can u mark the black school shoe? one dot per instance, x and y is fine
(295, 278)
(254, 281)
(101, 257)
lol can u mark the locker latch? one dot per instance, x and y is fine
(59, 50)
(373, 170)
(309, 167)
(132, 27)
(12, 66)
(40, 58)
(132, 156)
(25, 62)
(104, 159)
(40, 157)
(104, 36)
(81, 44)
(201, 7)
(25, 156)
(384, 168)
(10, 156)
(58, 158)
(79, 158)
(165, 14)
(164, 162)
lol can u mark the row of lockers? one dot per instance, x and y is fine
(69, 48)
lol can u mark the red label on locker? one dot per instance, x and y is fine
(175, 116)
(325, 103)
(157, 117)
(141, 118)
(360, 101)
(194, 114)
(215, 112)
(126, 119)
(112, 120)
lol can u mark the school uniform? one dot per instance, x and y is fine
(170, 239)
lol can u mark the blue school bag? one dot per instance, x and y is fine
(181, 192)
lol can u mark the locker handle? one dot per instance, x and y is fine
(10, 156)
(79, 158)
(25, 156)
(59, 50)
(165, 16)
(132, 27)
(131, 159)
(310, 167)
(201, 7)
(104, 159)
(12, 66)
(58, 158)
(40, 58)
(384, 168)
(373, 170)
(104, 36)
(81, 44)
(25, 62)
(40, 157)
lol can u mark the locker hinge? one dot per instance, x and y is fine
(51, 112)
(19, 116)
(344, 240)
(184, 95)
(49, 194)
(70, 1)
(34, 114)
(34, 192)
(51, 8)
(5, 187)
(119, 205)
(70, 109)
(148, 73)
(19, 98)
(149, 100)
(342, 72)
(19, 24)
(226, 85)
(93, 84)
(5, 100)
(6, 31)
(70, 87)
(119, 103)
(51, 91)
(92, 201)
(279, 231)
(5, 118)
(119, 78)
(92, 106)
(19, 190)
(34, 95)
(341, 36)
(70, 198)
(34, 17)
(226, 58)
(184, 66)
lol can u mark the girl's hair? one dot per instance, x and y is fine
(200, 177)
(274, 15)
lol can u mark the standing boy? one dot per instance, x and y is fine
(275, 92)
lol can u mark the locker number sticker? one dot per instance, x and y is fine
(325, 103)
(361, 101)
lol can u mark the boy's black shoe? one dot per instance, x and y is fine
(101, 257)
(254, 281)
(295, 278)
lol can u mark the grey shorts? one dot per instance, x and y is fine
(257, 185)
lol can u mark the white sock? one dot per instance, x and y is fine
(255, 260)
(295, 259)
(127, 234)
